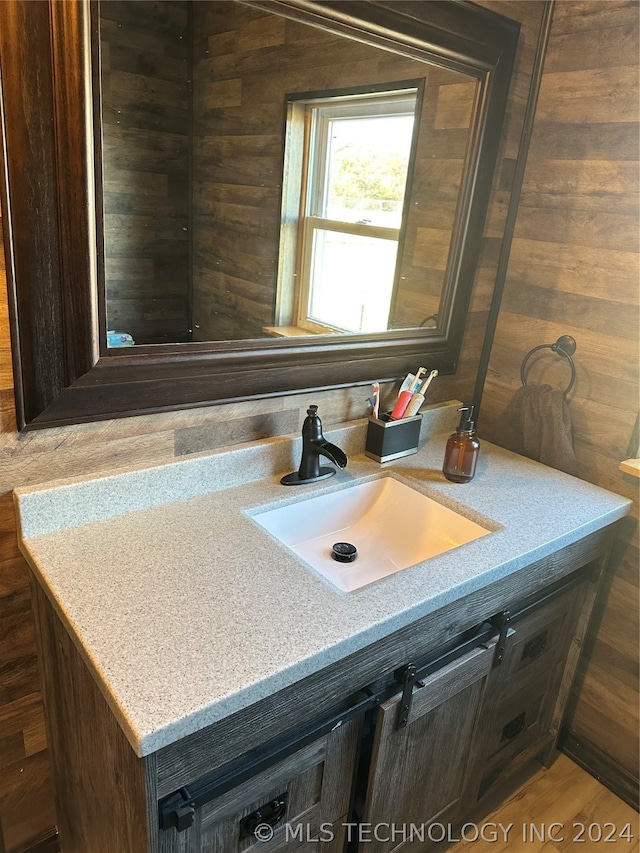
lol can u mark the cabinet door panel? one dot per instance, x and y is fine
(418, 771)
(521, 713)
(541, 636)
(295, 802)
(522, 693)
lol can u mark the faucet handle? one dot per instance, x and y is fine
(312, 426)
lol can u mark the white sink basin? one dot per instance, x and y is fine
(392, 526)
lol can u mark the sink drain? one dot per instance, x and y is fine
(344, 552)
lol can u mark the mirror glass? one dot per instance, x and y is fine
(264, 178)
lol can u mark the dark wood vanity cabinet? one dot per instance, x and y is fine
(355, 745)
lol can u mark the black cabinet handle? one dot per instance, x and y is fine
(270, 814)
(535, 646)
(514, 728)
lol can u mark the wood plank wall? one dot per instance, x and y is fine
(448, 109)
(26, 805)
(574, 270)
(245, 64)
(145, 92)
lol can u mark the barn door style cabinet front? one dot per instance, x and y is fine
(423, 741)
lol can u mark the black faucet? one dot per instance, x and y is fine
(314, 445)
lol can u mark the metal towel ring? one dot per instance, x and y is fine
(564, 346)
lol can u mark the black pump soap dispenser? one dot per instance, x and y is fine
(461, 453)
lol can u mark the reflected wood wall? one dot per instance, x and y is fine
(574, 270)
(145, 92)
(448, 109)
(26, 804)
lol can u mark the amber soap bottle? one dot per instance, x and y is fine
(461, 453)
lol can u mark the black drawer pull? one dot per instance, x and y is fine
(535, 647)
(514, 727)
(270, 814)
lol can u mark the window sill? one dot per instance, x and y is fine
(293, 332)
(631, 466)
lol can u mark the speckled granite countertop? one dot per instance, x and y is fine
(187, 611)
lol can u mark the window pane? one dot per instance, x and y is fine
(351, 280)
(367, 169)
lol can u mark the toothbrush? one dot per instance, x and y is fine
(375, 388)
(428, 382)
(417, 382)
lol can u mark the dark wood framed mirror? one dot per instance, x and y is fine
(52, 197)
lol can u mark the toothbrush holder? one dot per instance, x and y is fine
(387, 439)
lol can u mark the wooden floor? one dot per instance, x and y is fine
(566, 795)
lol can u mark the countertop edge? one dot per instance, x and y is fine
(136, 740)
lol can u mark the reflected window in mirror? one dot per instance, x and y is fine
(354, 154)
